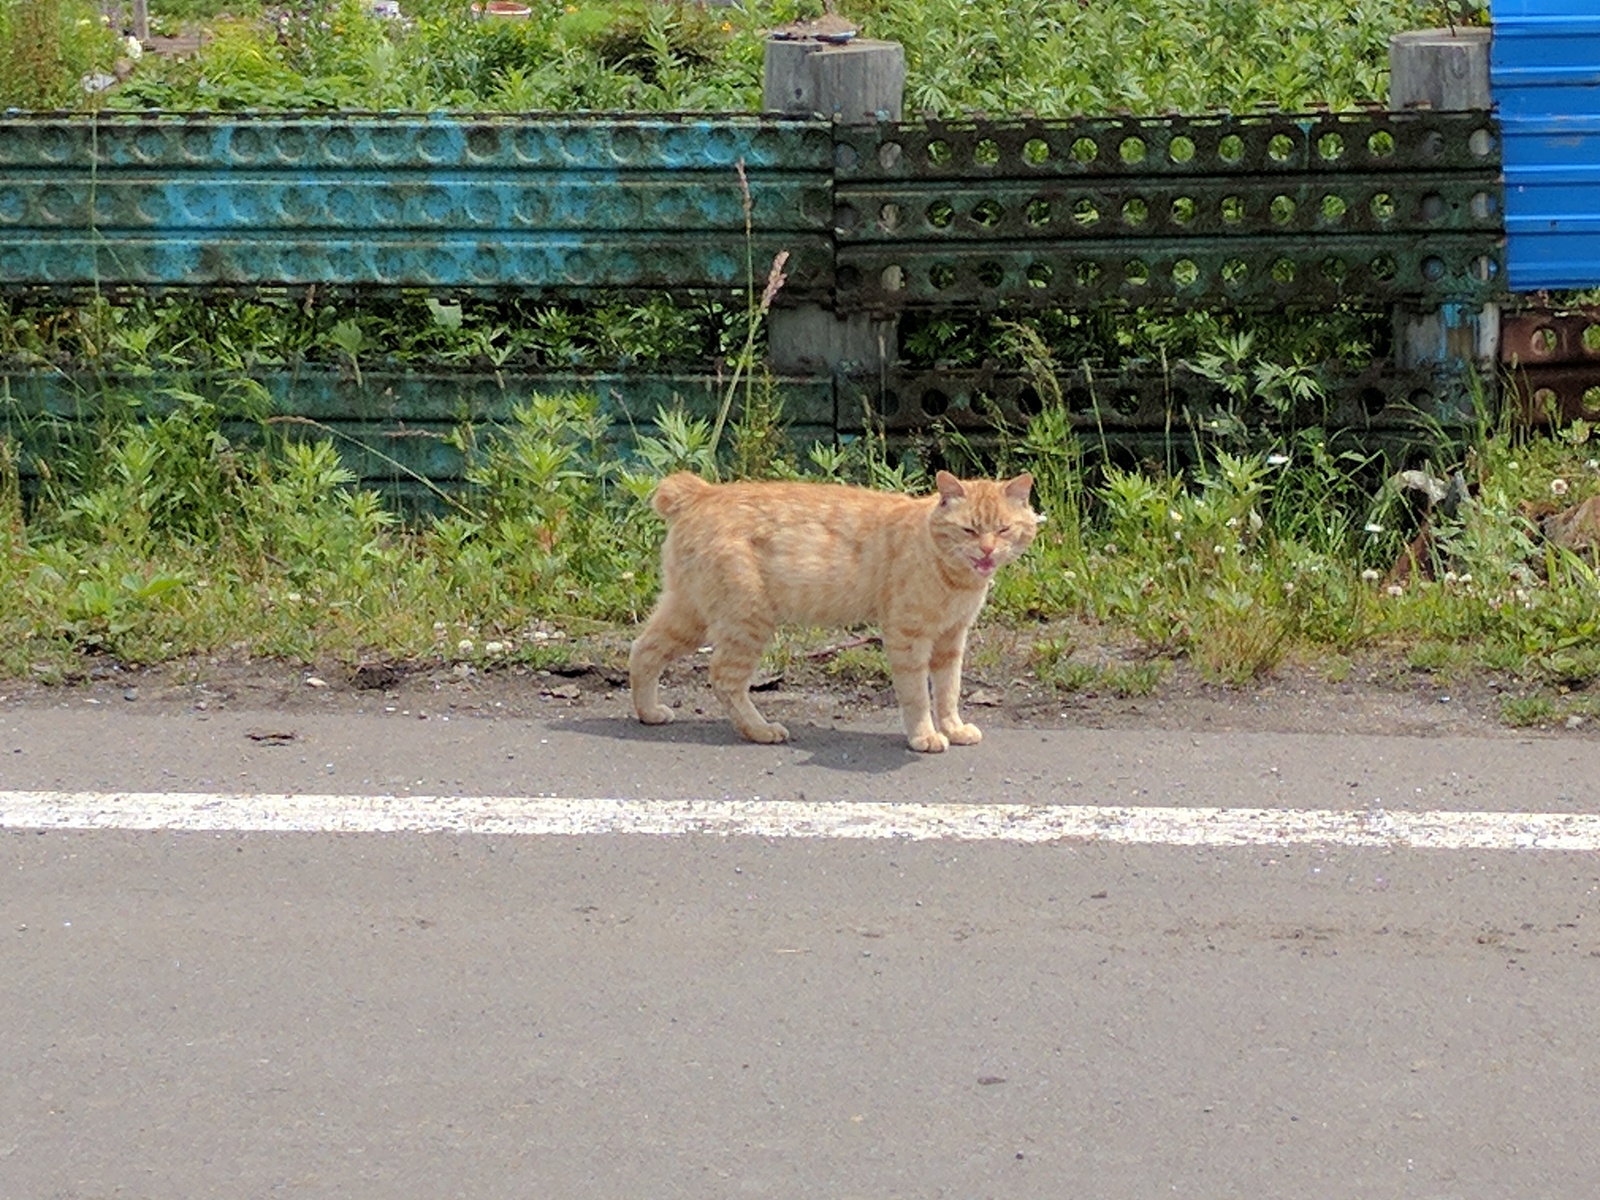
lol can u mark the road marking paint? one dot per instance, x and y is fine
(572, 817)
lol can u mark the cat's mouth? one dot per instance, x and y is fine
(984, 565)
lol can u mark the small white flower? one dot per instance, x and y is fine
(1374, 527)
(1277, 460)
(133, 47)
(1394, 589)
(1369, 576)
(464, 645)
(494, 647)
(1558, 487)
(1111, 548)
(1176, 516)
(1450, 577)
(1466, 577)
(293, 597)
(1288, 587)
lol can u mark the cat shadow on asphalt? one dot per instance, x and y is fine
(857, 751)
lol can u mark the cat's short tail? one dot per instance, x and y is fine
(673, 492)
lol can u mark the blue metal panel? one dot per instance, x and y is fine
(1545, 69)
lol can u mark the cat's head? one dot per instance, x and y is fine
(982, 523)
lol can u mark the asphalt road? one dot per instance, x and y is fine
(238, 1014)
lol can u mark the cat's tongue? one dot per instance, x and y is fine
(984, 565)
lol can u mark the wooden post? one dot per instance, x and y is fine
(854, 82)
(1448, 70)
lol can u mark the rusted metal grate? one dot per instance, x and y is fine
(1245, 211)
(1553, 355)
(1137, 400)
(1224, 211)
(1239, 211)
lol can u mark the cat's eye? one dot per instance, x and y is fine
(969, 531)
(1004, 529)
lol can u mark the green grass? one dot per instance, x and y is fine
(158, 537)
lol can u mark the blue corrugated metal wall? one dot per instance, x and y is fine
(1545, 69)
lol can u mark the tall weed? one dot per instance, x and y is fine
(48, 48)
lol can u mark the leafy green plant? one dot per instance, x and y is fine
(1144, 55)
(1523, 711)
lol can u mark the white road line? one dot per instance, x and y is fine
(570, 817)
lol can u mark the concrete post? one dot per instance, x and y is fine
(141, 20)
(855, 82)
(1448, 70)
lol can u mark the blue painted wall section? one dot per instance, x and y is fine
(1545, 72)
(478, 202)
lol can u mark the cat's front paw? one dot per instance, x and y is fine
(769, 734)
(962, 734)
(932, 742)
(659, 715)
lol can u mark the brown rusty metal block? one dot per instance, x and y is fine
(1554, 356)
(1539, 337)
(1557, 395)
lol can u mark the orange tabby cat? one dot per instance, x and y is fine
(741, 559)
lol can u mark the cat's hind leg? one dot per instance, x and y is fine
(735, 652)
(674, 629)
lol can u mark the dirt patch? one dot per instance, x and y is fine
(1371, 696)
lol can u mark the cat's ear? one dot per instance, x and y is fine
(950, 488)
(1018, 489)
